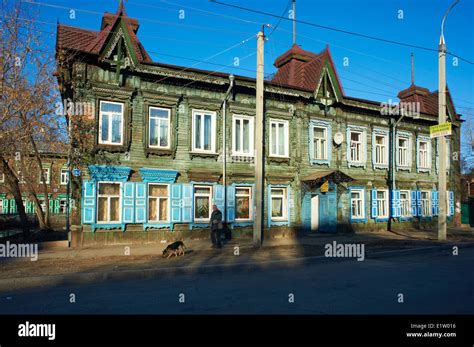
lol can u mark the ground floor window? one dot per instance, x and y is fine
(382, 203)
(425, 203)
(62, 205)
(202, 203)
(243, 199)
(1, 206)
(278, 204)
(109, 202)
(357, 204)
(158, 202)
(405, 203)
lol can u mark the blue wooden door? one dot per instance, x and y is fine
(327, 212)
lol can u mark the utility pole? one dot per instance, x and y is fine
(259, 144)
(442, 200)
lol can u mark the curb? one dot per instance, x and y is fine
(8, 285)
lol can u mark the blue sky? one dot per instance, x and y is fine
(376, 70)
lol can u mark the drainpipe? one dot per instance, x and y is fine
(224, 142)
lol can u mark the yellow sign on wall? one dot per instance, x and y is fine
(440, 130)
(324, 187)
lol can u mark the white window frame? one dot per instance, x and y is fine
(422, 203)
(108, 221)
(195, 195)
(420, 140)
(385, 199)
(239, 151)
(408, 137)
(213, 131)
(158, 203)
(362, 162)
(109, 130)
(406, 201)
(250, 197)
(2, 178)
(48, 176)
(64, 177)
(360, 148)
(319, 142)
(159, 120)
(361, 191)
(285, 123)
(284, 197)
(382, 149)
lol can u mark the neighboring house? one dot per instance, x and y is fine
(326, 154)
(55, 171)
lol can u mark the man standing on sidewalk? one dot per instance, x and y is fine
(216, 227)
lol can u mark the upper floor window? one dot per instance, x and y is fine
(204, 131)
(64, 177)
(380, 148)
(159, 127)
(108, 202)
(356, 145)
(320, 142)
(2, 177)
(158, 202)
(279, 138)
(111, 123)
(47, 176)
(403, 150)
(424, 153)
(243, 135)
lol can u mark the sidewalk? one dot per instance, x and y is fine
(60, 265)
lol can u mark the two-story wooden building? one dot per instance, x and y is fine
(327, 155)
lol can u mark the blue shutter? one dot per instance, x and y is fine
(414, 210)
(393, 205)
(88, 201)
(434, 203)
(374, 204)
(140, 202)
(12, 206)
(418, 203)
(219, 198)
(176, 203)
(398, 204)
(451, 203)
(5, 206)
(231, 203)
(187, 203)
(128, 209)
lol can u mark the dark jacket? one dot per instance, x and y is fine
(216, 219)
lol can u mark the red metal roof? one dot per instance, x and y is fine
(300, 68)
(428, 100)
(91, 41)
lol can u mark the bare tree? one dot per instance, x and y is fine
(29, 125)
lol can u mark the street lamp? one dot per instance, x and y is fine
(441, 120)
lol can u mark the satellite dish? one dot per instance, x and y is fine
(338, 138)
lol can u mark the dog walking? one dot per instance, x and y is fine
(216, 227)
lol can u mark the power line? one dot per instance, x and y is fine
(340, 30)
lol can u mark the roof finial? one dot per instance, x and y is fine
(412, 69)
(294, 22)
